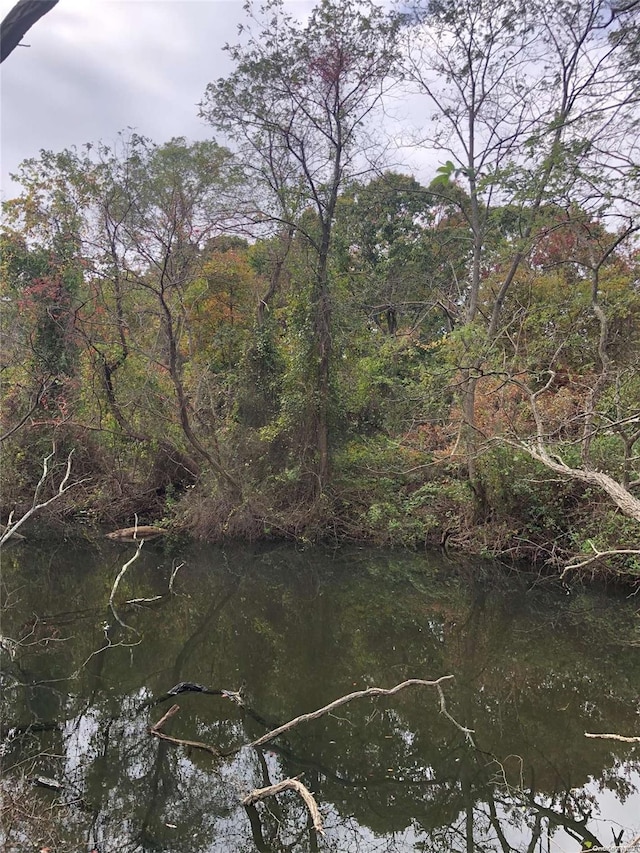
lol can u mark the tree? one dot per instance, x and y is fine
(131, 223)
(297, 105)
(535, 107)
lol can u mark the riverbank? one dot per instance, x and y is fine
(529, 517)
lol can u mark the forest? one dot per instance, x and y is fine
(286, 332)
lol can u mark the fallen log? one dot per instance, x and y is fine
(134, 534)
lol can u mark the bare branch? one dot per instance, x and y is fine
(155, 730)
(614, 737)
(122, 572)
(358, 694)
(598, 555)
(289, 785)
(13, 526)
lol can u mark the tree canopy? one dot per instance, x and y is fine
(293, 335)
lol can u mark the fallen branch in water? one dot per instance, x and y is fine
(614, 737)
(174, 572)
(155, 730)
(443, 710)
(122, 571)
(191, 687)
(151, 600)
(303, 718)
(289, 785)
(358, 694)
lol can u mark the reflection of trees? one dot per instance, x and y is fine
(391, 774)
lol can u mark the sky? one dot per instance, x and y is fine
(97, 67)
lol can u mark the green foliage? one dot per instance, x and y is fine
(367, 362)
(523, 492)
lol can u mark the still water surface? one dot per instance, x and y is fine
(534, 669)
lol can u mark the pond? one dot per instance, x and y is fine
(275, 632)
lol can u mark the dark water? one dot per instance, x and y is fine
(534, 670)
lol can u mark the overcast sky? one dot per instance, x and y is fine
(95, 67)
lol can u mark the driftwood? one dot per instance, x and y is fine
(155, 730)
(303, 718)
(614, 737)
(358, 694)
(46, 782)
(122, 571)
(192, 687)
(289, 785)
(135, 534)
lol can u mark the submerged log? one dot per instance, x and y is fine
(134, 534)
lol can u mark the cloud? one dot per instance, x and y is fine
(95, 68)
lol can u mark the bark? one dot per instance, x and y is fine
(621, 496)
(289, 785)
(19, 21)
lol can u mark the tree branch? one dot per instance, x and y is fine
(289, 785)
(358, 694)
(64, 486)
(19, 20)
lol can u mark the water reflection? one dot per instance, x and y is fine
(533, 669)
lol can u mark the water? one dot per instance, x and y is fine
(534, 669)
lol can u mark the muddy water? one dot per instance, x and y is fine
(534, 669)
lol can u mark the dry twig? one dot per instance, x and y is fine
(155, 730)
(289, 785)
(614, 737)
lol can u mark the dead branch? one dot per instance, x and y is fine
(358, 694)
(443, 710)
(597, 555)
(614, 737)
(174, 572)
(19, 20)
(538, 450)
(289, 785)
(151, 600)
(173, 710)
(122, 571)
(155, 730)
(12, 526)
